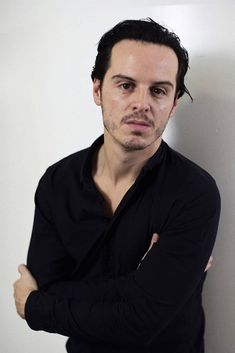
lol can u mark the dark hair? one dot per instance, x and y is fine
(145, 30)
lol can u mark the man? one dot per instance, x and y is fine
(123, 230)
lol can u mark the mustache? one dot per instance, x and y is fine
(137, 116)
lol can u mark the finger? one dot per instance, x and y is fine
(154, 239)
(209, 264)
(210, 261)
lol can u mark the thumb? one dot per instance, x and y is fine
(22, 269)
(27, 277)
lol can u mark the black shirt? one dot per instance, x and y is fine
(91, 286)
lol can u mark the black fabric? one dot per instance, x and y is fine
(86, 263)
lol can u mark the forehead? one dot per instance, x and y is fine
(136, 58)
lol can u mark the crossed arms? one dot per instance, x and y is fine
(128, 309)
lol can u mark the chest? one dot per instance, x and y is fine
(112, 194)
(101, 243)
(113, 243)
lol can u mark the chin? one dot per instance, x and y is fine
(138, 143)
(134, 144)
(133, 147)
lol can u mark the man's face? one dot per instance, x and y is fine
(138, 93)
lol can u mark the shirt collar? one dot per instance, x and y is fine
(151, 164)
(85, 173)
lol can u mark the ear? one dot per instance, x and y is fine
(97, 91)
(173, 109)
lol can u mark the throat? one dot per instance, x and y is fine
(113, 179)
(112, 194)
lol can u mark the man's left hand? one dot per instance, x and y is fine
(22, 288)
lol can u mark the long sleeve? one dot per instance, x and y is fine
(47, 258)
(142, 303)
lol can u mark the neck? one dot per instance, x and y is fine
(118, 165)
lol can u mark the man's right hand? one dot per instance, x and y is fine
(155, 239)
(209, 263)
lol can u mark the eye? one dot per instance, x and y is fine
(126, 86)
(158, 91)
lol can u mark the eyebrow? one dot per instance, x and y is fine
(124, 77)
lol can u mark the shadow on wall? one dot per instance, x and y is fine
(204, 131)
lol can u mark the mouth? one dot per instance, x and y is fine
(138, 124)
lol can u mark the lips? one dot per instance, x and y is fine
(138, 123)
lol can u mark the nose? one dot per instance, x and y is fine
(140, 101)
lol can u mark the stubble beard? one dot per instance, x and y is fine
(134, 142)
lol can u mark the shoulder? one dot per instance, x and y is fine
(67, 169)
(186, 172)
(189, 194)
(186, 183)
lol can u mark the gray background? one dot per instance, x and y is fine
(47, 50)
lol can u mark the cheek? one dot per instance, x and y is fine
(117, 102)
(163, 109)
(114, 99)
(111, 102)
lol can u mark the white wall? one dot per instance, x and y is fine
(47, 50)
